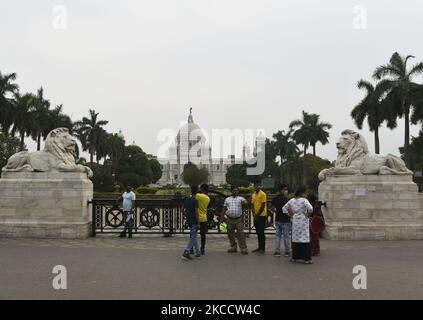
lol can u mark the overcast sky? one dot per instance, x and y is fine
(244, 64)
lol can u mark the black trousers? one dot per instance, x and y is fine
(301, 251)
(260, 225)
(203, 231)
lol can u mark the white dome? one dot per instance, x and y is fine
(190, 132)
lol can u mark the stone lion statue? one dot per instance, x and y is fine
(58, 156)
(354, 159)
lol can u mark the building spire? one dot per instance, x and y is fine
(190, 120)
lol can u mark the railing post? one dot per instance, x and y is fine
(93, 218)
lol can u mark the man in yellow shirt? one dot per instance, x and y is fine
(259, 204)
(203, 204)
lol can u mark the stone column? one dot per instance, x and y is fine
(45, 205)
(372, 207)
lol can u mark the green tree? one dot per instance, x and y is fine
(9, 145)
(41, 109)
(132, 179)
(374, 108)
(58, 119)
(303, 135)
(135, 165)
(400, 79)
(286, 149)
(416, 151)
(156, 170)
(23, 120)
(194, 176)
(303, 132)
(237, 175)
(88, 130)
(314, 165)
(319, 131)
(7, 89)
(115, 148)
(102, 179)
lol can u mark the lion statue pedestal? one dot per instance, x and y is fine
(45, 194)
(369, 197)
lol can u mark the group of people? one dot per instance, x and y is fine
(292, 222)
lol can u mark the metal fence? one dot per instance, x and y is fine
(162, 216)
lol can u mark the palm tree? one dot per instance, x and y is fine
(7, 88)
(375, 108)
(88, 130)
(417, 95)
(400, 79)
(115, 149)
(319, 131)
(286, 149)
(23, 120)
(41, 110)
(101, 149)
(303, 135)
(57, 119)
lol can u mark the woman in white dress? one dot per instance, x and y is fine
(299, 209)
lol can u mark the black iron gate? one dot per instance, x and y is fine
(162, 216)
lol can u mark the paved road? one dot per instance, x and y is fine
(149, 267)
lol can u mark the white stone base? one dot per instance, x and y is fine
(372, 207)
(45, 205)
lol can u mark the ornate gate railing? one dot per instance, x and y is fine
(162, 216)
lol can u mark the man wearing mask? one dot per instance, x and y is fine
(282, 221)
(128, 206)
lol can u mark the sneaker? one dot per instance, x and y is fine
(277, 255)
(244, 252)
(308, 262)
(292, 260)
(198, 255)
(203, 252)
(286, 254)
(261, 252)
(186, 256)
(256, 250)
(122, 235)
(232, 250)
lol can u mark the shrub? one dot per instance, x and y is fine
(147, 190)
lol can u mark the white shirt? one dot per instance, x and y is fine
(128, 197)
(300, 222)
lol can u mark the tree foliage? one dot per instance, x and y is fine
(9, 145)
(194, 176)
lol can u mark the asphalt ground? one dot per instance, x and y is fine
(150, 267)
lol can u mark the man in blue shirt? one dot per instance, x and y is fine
(128, 206)
(191, 211)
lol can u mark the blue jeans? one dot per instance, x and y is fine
(192, 243)
(282, 229)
